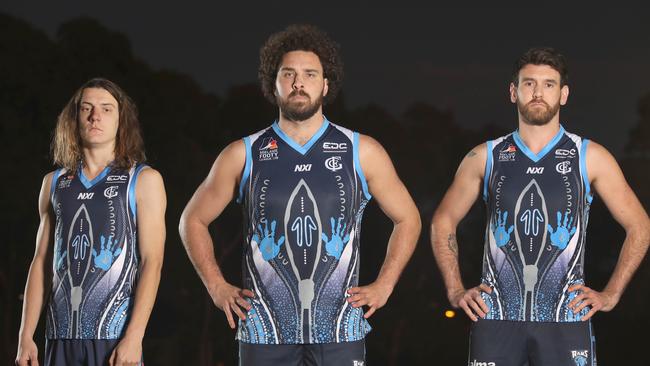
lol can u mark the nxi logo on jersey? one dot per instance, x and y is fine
(85, 195)
(535, 170)
(302, 168)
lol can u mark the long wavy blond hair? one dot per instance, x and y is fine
(66, 143)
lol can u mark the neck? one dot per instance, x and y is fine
(537, 137)
(96, 158)
(302, 131)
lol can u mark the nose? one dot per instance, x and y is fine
(94, 115)
(538, 91)
(298, 82)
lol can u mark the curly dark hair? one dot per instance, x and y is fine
(300, 37)
(542, 56)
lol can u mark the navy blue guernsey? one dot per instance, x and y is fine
(537, 209)
(302, 210)
(95, 254)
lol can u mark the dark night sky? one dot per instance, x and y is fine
(451, 57)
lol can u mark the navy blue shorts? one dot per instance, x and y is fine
(79, 352)
(522, 343)
(326, 354)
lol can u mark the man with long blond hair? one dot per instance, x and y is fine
(102, 226)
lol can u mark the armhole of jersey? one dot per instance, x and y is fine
(55, 176)
(357, 164)
(583, 170)
(247, 169)
(134, 180)
(488, 170)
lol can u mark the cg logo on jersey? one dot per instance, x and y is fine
(563, 167)
(110, 192)
(334, 163)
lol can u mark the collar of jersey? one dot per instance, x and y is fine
(89, 183)
(304, 148)
(537, 157)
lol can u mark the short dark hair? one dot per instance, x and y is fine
(300, 37)
(542, 56)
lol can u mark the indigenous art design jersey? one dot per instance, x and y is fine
(538, 208)
(95, 254)
(302, 210)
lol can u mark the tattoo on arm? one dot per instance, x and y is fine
(470, 154)
(453, 244)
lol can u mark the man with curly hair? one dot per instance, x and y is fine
(304, 183)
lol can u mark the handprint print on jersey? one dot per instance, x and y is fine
(562, 234)
(335, 245)
(501, 235)
(107, 254)
(268, 245)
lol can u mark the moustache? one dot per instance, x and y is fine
(298, 93)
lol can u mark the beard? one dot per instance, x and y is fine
(537, 116)
(298, 111)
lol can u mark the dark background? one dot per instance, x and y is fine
(428, 83)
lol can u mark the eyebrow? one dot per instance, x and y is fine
(286, 68)
(102, 104)
(545, 80)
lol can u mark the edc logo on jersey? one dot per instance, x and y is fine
(335, 147)
(508, 154)
(117, 178)
(269, 149)
(564, 153)
(580, 357)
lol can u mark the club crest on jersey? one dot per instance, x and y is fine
(334, 163)
(110, 192)
(508, 154)
(565, 153)
(268, 149)
(563, 167)
(580, 357)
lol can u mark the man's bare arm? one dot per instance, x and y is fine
(35, 289)
(209, 200)
(608, 181)
(395, 201)
(458, 200)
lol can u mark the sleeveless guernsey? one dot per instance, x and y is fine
(95, 254)
(537, 210)
(302, 210)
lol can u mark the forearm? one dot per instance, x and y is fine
(200, 249)
(34, 298)
(400, 248)
(445, 250)
(633, 251)
(145, 297)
